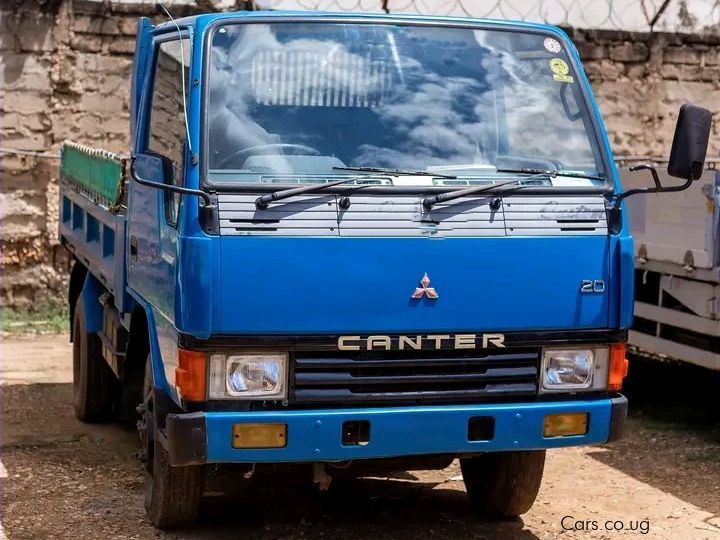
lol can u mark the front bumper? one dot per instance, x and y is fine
(315, 435)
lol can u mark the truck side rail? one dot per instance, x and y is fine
(92, 214)
(96, 173)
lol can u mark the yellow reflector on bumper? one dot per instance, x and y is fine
(259, 436)
(563, 425)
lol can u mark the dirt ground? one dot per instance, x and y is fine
(64, 479)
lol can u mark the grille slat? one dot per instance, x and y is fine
(413, 376)
(339, 379)
(350, 363)
(341, 396)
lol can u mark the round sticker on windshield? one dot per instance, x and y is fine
(552, 45)
(560, 70)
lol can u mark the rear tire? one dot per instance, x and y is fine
(503, 484)
(94, 383)
(172, 494)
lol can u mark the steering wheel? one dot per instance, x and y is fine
(267, 149)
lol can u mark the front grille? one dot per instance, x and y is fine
(414, 377)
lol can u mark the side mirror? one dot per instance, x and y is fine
(150, 170)
(156, 171)
(687, 157)
(689, 146)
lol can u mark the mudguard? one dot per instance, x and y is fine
(91, 292)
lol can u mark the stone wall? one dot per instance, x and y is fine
(65, 73)
(640, 80)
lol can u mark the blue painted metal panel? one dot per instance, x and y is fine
(123, 301)
(160, 380)
(329, 285)
(91, 303)
(315, 435)
(140, 63)
(144, 206)
(83, 227)
(197, 260)
(190, 226)
(152, 273)
(142, 269)
(167, 348)
(626, 279)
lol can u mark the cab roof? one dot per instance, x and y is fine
(203, 20)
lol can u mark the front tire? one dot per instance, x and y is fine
(172, 494)
(503, 484)
(94, 383)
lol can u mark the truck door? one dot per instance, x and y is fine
(153, 215)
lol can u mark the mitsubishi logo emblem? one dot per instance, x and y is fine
(425, 289)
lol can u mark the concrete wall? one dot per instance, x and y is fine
(65, 73)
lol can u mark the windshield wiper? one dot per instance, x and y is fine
(395, 172)
(431, 200)
(262, 202)
(552, 173)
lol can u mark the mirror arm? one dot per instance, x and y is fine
(659, 188)
(653, 171)
(204, 195)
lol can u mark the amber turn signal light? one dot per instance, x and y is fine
(190, 375)
(618, 366)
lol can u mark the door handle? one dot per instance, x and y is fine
(133, 248)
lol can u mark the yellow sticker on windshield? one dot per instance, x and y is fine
(560, 70)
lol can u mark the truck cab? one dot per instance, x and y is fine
(354, 239)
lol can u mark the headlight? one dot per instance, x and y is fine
(248, 376)
(574, 369)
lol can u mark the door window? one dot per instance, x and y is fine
(168, 134)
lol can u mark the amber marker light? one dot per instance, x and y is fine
(618, 366)
(259, 436)
(190, 375)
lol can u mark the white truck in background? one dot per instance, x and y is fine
(677, 268)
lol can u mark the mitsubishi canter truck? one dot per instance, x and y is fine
(353, 242)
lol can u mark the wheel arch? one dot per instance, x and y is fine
(144, 341)
(138, 340)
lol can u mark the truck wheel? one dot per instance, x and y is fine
(94, 382)
(503, 484)
(172, 494)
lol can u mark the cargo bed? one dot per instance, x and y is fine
(93, 212)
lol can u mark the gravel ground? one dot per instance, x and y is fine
(65, 479)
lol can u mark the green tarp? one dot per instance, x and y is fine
(97, 173)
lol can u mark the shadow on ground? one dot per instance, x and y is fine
(673, 438)
(68, 479)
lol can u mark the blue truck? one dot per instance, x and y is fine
(353, 242)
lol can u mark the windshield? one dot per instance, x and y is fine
(292, 103)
